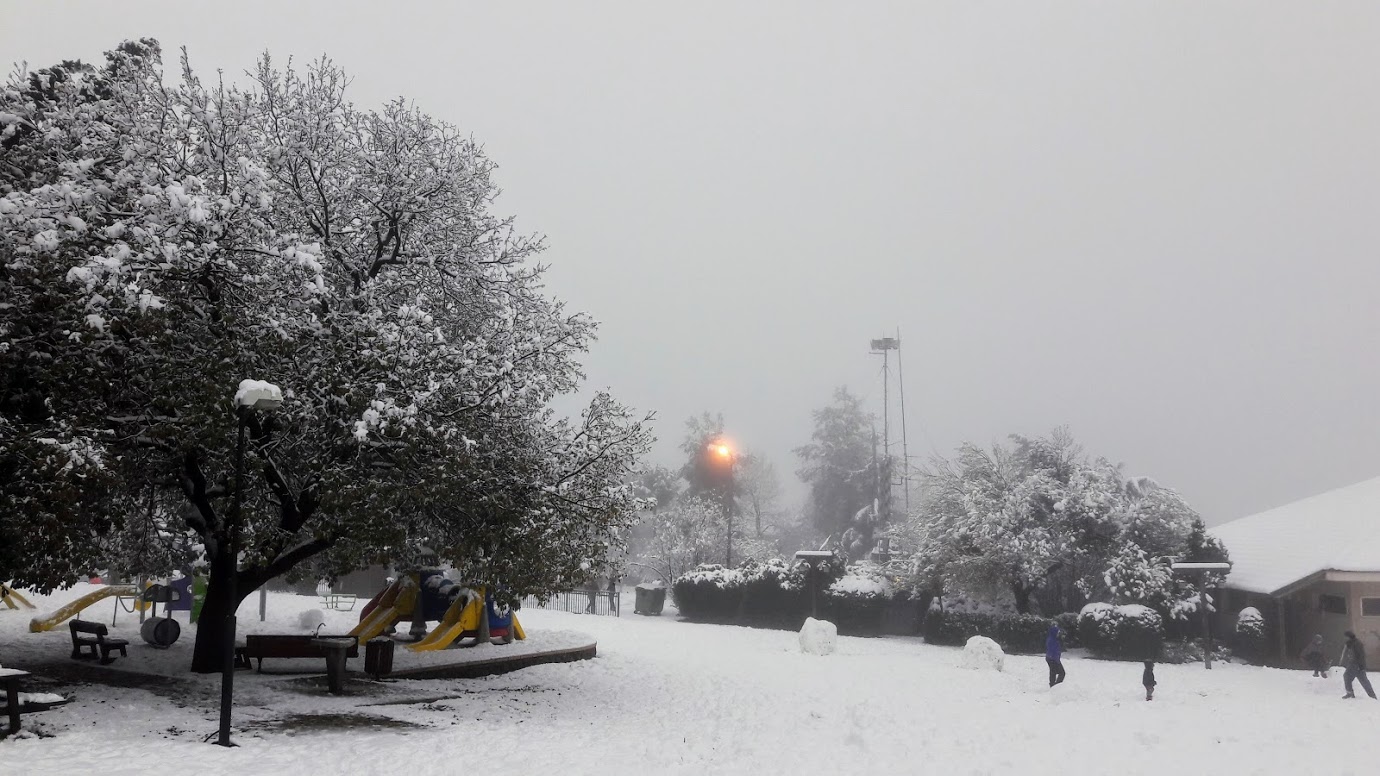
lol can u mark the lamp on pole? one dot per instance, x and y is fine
(1201, 570)
(251, 395)
(724, 453)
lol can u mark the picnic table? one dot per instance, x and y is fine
(10, 677)
(344, 602)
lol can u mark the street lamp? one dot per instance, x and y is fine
(1202, 570)
(726, 455)
(251, 395)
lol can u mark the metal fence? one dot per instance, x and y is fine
(579, 602)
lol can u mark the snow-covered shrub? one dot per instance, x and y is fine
(983, 653)
(1023, 633)
(774, 592)
(818, 637)
(1249, 641)
(1127, 632)
(858, 599)
(777, 594)
(710, 592)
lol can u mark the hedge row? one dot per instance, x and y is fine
(1014, 632)
(777, 594)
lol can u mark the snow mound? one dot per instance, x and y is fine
(311, 618)
(983, 653)
(818, 637)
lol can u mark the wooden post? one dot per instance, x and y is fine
(263, 603)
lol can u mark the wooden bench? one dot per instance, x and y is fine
(92, 636)
(260, 646)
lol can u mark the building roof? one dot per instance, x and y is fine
(1336, 531)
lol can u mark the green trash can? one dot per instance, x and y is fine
(649, 599)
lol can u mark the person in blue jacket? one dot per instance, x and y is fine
(1054, 650)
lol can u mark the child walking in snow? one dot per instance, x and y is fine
(1314, 656)
(1148, 679)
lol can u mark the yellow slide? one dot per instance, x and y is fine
(463, 615)
(40, 624)
(397, 601)
(11, 598)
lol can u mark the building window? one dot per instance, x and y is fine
(1370, 607)
(1332, 604)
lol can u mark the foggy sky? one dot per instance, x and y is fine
(1155, 223)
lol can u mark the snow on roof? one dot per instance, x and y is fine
(1334, 531)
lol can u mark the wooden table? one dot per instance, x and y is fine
(10, 677)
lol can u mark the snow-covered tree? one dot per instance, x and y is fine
(848, 482)
(160, 243)
(1041, 522)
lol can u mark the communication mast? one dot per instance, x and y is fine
(883, 347)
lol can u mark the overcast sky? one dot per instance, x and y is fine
(1153, 222)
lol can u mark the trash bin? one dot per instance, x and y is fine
(378, 656)
(649, 599)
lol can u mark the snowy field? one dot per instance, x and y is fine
(672, 697)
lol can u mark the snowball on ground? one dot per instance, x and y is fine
(252, 392)
(818, 637)
(311, 618)
(983, 653)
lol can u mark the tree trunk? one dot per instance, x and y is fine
(1022, 596)
(208, 656)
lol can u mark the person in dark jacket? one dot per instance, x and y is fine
(1354, 663)
(1315, 655)
(1054, 650)
(1147, 678)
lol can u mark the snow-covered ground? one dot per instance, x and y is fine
(672, 697)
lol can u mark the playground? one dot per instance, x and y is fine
(666, 696)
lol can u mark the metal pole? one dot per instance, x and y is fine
(728, 517)
(263, 603)
(905, 444)
(886, 429)
(227, 677)
(1207, 631)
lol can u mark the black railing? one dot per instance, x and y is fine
(578, 602)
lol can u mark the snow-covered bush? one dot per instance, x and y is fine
(983, 653)
(1127, 632)
(818, 637)
(1023, 633)
(777, 594)
(1068, 627)
(1249, 641)
(710, 592)
(774, 592)
(859, 598)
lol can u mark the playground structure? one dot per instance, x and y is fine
(12, 599)
(49, 621)
(462, 613)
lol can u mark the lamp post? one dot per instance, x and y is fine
(1202, 570)
(724, 453)
(252, 395)
(814, 558)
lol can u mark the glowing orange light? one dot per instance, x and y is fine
(722, 450)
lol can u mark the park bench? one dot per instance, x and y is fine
(260, 646)
(92, 636)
